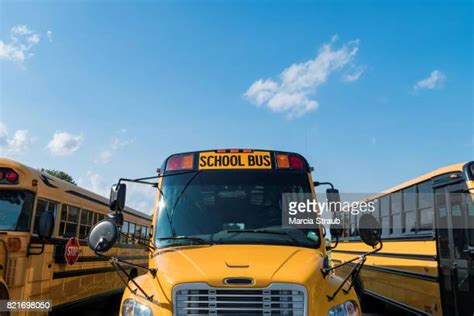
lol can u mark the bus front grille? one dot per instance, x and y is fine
(279, 299)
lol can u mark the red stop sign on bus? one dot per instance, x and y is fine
(71, 251)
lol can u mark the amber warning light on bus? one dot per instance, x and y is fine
(8, 176)
(180, 162)
(285, 161)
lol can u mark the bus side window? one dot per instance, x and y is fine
(346, 225)
(425, 206)
(376, 212)
(353, 225)
(470, 217)
(41, 207)
(69, 219)
(131, 232)
(409, 210)
(123, 236)
(396, 214)
(385, 215)
(138, 232)
(144, 233)
(86, 223)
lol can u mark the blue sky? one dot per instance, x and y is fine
(372, 94)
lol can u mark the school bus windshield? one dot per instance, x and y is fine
(231, 207)
(16, 206)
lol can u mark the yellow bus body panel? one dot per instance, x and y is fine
(263, 263)
(392, 282)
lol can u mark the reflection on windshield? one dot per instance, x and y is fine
(231, 207)
(15, 210)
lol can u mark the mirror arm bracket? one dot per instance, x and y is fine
(335, 246)
(325, 271)
(115, 262)
(112, 260)
(317, 183)
(354, 272)
(351, 274)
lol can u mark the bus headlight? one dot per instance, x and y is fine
(348, 308)
(133, 308)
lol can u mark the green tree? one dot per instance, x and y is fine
(60, 174)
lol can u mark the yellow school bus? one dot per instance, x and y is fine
(426, 266)
(44, 222)
(220, 246)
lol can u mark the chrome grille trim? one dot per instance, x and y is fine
(278, 299)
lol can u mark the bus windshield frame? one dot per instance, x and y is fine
(230, 207)
(16, 209)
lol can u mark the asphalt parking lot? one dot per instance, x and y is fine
(104, 307)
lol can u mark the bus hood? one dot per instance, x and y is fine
(264, 264)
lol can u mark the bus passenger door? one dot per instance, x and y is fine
(456, 269)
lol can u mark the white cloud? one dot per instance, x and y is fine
(354, 75)
(435, 80)
(104, 157)
(64, 143)
(292, 92)
(116, 144)
(141, 197)
(95, 183)
(15, 144)
(49, 34)
(18, 48)
(20, 29)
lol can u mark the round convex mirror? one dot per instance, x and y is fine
(369, 230)
(103, 236)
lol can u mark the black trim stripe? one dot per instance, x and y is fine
(46, 180)
(397, 304)
(409, 274)
(390, 255)
(88, 198)
(83, 242)
(97, 258)
(81, 272)
(427, 237)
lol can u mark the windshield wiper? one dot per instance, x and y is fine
(187, 238)
(263, 231)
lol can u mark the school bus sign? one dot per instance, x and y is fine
(71, 251)
(239, 160)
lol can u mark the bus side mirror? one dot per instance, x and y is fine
(103, 235)
(46, 225)
(117, 197)
(334, 199)
(369, 230)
